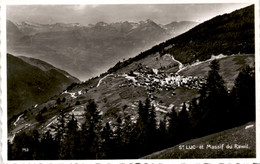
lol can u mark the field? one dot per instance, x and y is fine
(229, 68)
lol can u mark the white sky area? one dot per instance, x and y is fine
(91, 14)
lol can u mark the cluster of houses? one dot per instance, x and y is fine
(153, 79)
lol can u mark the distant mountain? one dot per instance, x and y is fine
(87, 51)
(32, 81)
(180, 27)
(30, 28)
(13, 33)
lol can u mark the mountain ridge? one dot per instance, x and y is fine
(28, 84)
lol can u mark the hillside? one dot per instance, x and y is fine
(220, 35)
(242, 139)
(226, 34)
(117, 94)
(229, 67)
(31, 82)
(87, 51)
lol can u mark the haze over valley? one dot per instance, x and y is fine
(88, 51)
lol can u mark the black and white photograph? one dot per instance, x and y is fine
(108, 81)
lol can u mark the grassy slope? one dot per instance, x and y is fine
(46, 66)
(29, 85)
(229, 68)
(238, 135)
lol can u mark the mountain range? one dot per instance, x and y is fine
(87, 51)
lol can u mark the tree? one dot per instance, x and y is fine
(77, 103)
(91, 130)
(107, 142)
(60, 136)
(172, 129)
(184, 126)
(215, 83)
(39, 117)
(151, 121)
(212, 102)
(71, 143)
(141, 127)
(129, 138)
(118, 131)
(243, 95)
(151, 130)
(162, 134)
(118, 139)
(146, 127)
(49, 147)
(36, 144)
(58, 101)
(61, 127)
(10, 151)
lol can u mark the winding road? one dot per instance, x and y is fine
(99, 82)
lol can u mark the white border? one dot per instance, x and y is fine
(24, 2)
(3, 82)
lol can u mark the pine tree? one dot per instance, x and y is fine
(36, 144)
(184, 126)
(129, 138)
(243, 95)
(162, 134)
(61, 127)
(173, 124)
(142, 127)
(118, 131)
(71, 143)
(49, 147)
(127, 128)
(107, 142)
(61, 134)
(212, 102)
(91, 130)
(151, 130)
(10, 148)
(215, 83)
(118, 139)
(151, 121)
(58, 101)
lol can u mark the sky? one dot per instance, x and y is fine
(91, 14)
